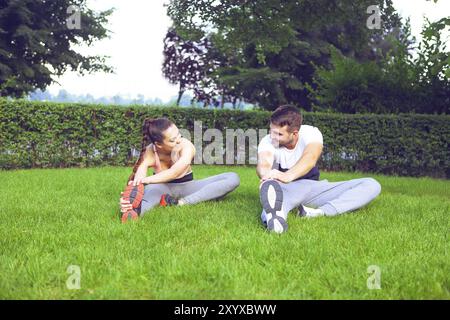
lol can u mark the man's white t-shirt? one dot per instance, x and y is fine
(288, 158)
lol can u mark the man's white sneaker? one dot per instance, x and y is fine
(271, 196)
(307, 212)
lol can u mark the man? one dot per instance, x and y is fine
(287, 167)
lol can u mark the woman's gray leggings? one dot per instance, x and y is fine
(191, 191)
(332, 197)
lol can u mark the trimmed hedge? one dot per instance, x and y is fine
(41, 134)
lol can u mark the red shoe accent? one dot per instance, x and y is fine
(134, 191)
(134, 194)
(163, 202)
(129, 215)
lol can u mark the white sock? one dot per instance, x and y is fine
(313, 213)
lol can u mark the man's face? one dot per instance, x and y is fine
(281, 136)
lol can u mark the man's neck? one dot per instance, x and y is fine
(292, 145)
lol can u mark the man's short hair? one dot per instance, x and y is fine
(287, 115)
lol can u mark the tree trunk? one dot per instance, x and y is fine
(180, 94)
(240, 104)
(222, 101)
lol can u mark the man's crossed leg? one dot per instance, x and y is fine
(313, 198)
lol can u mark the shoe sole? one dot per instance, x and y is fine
(271, 196)
(134, 194)
(129, 215)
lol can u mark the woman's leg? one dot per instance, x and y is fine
(152, 196)
(205, 189)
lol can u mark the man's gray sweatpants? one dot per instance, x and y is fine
(332, 197)
(191, 191)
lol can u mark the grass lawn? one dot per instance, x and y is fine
(51, 219)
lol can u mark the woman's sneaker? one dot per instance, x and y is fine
(129, 215)
(134, 194)
(271, 196)
(168, 200)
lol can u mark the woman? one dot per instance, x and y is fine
(172, 182)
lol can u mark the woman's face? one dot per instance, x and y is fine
(172, 137)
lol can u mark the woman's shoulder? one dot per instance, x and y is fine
(149, 155)
(187, 144)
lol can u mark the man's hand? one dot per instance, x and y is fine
(277, 175)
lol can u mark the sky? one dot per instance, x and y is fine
(136, 44)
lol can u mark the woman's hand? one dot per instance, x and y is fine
(145, 180)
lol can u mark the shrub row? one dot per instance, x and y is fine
(41, 134)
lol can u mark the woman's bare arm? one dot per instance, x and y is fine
(148, 161)
(186, 155)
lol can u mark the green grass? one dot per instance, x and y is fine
(51, 219)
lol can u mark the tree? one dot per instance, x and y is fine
(38, 38)
(398, 83)
(192, 66)
(273, 46)
(432, 68)
(182, 62)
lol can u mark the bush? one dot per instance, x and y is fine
(397, 83)
(354, 87)
(44, 135)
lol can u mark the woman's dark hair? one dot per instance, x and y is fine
(152, 131)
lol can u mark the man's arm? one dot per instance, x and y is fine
(310, 156)
(186, 155)
(265, 163)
